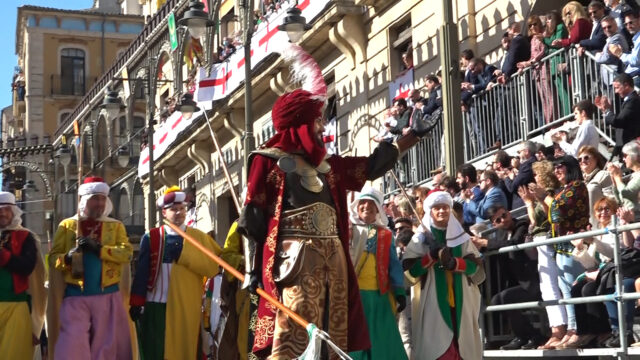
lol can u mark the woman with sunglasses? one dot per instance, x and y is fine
(592, 164)
(576, 19)
(540, 71)
(628, 192)
(568, 214)
(537, 197)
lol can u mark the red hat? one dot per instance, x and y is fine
(93, 185)
(295, 108)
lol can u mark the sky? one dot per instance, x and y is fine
(8, 41)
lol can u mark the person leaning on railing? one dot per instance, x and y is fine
(540, 71)
(556, 30)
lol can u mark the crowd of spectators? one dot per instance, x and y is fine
(567, 187)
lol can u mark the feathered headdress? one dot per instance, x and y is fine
(305, 69)
(304, 105)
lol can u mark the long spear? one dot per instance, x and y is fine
(404, 192)
(77, 263)
(315, 334)
(223, 164)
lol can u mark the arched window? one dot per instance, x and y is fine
(138, 205)
(72, 73)
(62, 116)
(124, 207)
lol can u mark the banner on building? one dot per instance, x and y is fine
(401, 87)
(163, 137)
(329, 137)
(227, 76)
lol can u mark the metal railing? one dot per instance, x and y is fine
(618, 296)
(70, 85)
(533, 101)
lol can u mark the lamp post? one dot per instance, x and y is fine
(63, 154)
(123, 156)
(294, 24)
(112, 104)
(196, 19)
(248, 143)
(451, 89)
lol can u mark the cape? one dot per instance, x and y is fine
(266, 182)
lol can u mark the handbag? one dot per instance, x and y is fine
(630, 262)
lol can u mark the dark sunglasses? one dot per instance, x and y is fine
(585, 158)
(500, 218)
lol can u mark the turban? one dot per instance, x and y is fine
(455, 233)
(92, 186)
(173, 195)
(294, 113)
(7, 199)
(368, 193)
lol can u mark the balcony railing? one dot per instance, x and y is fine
(533, 102)
(65, 85)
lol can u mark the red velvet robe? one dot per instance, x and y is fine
(265, 190)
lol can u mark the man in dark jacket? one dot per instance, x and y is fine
(404, 113)
(477, 79)
(519, 50)
(525, 173)
(597, 39)
(626, 120)
(521, 266)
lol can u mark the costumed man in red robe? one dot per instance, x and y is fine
(296, 218)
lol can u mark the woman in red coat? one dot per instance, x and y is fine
(578, 23)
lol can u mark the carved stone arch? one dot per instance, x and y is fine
(101, 147)
(203, 209)
(363, 122)
(137, 202)
(35, 168)
(123, 212)
(164, 57)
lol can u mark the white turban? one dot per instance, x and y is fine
(368, 193)
(90, 187)
(7, 199)
(455, 233)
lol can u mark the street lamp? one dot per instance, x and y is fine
(294, 24)
(123, 156)
(196, 19)
(63, 155)
(112, 104)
